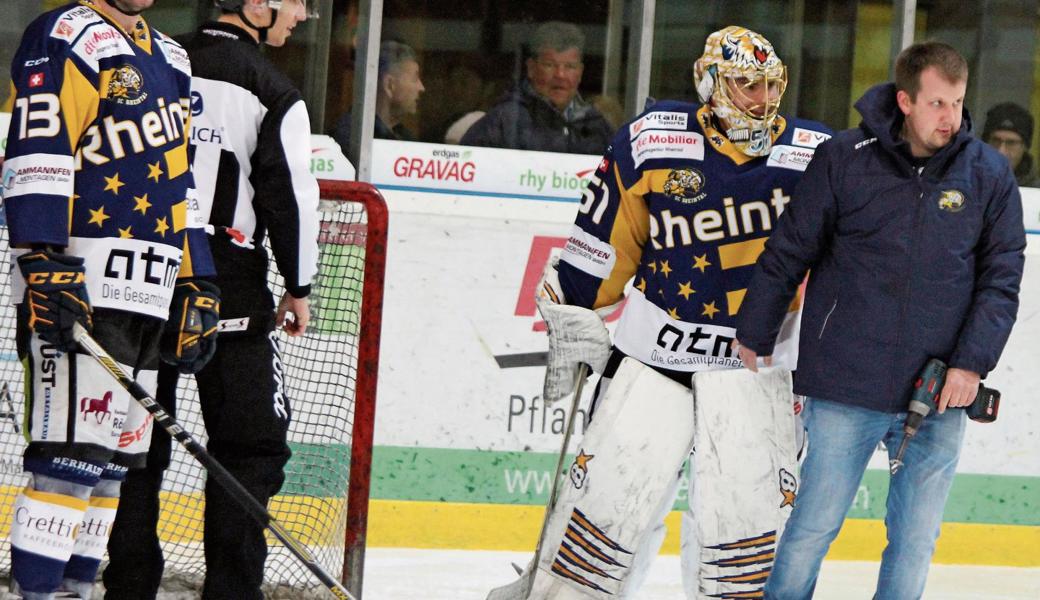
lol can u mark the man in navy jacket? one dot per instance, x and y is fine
(912, 230)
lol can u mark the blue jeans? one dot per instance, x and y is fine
(842, 439)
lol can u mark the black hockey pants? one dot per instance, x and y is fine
(246, 420)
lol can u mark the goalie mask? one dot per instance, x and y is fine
(743, 79)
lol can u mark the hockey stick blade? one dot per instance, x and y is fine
(522, 587)
(213, 467)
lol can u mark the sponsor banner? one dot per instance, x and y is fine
(46, 524)
(1031, 215)
(493, 172)
(38, 174)
(5, 122)
(658, 120)
(128, 274)
(588, 253)
(101, 41)
(73, 22)
(684, 145)
(790, 157)
(418, 474)
(807, 138)
(328, 161)
(468, 285)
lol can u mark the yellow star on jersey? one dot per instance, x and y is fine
(673, 313)
(685, 289)
(154, 172)
(701, 262)
(125, 233)
(653, 267)
(97, 217)
(665, 269)
(142, 203)
(710, 310)
(641, 286)
(112, 184)
(582, 459)
(161, 226)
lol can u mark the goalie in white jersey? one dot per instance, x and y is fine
(681, 205)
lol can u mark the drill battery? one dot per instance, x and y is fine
(925, 399)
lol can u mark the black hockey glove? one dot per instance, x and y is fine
(190, 336)
(55, 296)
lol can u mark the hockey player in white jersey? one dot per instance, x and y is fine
(681, 206)
(251, 144)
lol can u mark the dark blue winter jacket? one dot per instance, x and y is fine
(904, 266)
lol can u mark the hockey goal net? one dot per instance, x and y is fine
(330, 380)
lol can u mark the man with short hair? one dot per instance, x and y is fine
(397, 95)
(96, 194)
(545, 112)
(912, 231)
(253, 180)
(1009, 129)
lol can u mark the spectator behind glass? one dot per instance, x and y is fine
(1009, 129)
(544, 111)
(396, 98)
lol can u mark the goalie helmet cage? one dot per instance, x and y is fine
(330, 379)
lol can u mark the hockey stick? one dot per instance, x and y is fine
(579, 384)
(215, 469)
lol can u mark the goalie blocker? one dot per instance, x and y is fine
(608, 523)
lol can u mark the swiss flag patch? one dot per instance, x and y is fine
(36, 80)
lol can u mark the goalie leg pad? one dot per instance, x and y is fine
(745, 477)
(611, 500)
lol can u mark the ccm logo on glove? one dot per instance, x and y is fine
(56, 278)
(55, 297)
(190, 336)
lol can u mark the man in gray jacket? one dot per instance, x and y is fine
(544, 111)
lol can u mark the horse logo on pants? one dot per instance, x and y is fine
(98, 406)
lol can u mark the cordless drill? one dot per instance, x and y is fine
(926, 397)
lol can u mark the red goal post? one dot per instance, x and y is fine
(330, 377)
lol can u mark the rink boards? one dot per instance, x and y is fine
(464, 445)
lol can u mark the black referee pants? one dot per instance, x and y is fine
(246, 416)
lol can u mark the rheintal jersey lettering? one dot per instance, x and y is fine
(97, 157)
(677, 210)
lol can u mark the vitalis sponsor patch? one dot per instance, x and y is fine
(658, 120)
(807, 138)
(790, 157)
(667, 144)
